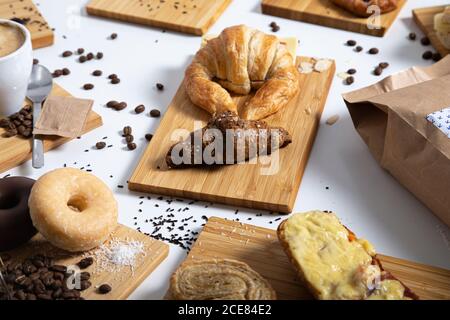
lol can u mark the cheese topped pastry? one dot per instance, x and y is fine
(333, 263)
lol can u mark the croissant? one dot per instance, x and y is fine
(219, 280)
(241, 59)
(359, 7)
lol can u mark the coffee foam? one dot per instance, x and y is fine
(11, 39)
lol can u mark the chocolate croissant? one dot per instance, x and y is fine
(241, 140)
(359, 7)
(241, 59)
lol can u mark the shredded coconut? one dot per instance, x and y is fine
(117, 254)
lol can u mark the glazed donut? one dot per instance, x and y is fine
(72, 209)
(16, 227)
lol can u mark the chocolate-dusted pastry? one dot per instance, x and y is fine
(16, 227)
(359, 7)
(241, 140)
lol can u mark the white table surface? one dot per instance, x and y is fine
(367, 199)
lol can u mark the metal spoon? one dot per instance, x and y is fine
(39, 87)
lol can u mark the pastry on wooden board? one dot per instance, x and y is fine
(250, 138)
(442, 27)
(238, 60)
(218, 279)
(333, 263)
(359, 7)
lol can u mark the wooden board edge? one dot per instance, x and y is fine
(213, 19)
(43, 42)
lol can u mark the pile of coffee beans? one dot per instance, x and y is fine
(39, 278)
(19, 123)
(118, 106)
(129, 138)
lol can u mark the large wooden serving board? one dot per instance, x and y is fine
(41, 33)
(244, 184)
(325, 13)
(424, 17)
(15, 150)
(123, 281)
(188, 16)
(260, 249)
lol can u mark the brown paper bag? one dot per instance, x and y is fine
(391, 116)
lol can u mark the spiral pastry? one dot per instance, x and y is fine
(219, 280)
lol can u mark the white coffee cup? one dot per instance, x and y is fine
(15, 70)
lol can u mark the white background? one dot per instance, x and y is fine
(367, 199)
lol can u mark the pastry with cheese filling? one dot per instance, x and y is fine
(360, 7)
(442, 27)
(334, 263)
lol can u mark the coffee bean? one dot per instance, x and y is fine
(131, 146)
(71, 294)
(35, 61)
(148, 136)
(436, 56)
(97, 73)
(115, 80)
(58, 268)
(139, 109)
(425, 41)
(129, 138)
(112, 76)
(10, 133)
(90, 56)
(44, 296)
(82, 59)
(127, 131)
(112, 103)
(427, 55)
(412, 36)
(99, 55)
(80, 50)
(383, 65)
(120, 106)
(378, 71)
(374, 51)
(113, 36)
(65, 71)
(85, 284)
(67, 53)
(57, 73)
(4, 123)
(100, 145)
(359, 49)
(160, 86)
(155, 113)
(84, 276)
(88, 86)
(57, 293)
(274, 26)
(85, 263)
(349, 80)
(351, 43)
(351, 71)
(104, 289)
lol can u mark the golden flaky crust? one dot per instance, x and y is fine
(218, 279)
(359, 7)
(241, 59)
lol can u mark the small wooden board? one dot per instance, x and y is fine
(260, 249)
(15, 150)
(325, 13)
(424, 17)
(245, 184)
(41, 33)
(123, 282)
(187, 16)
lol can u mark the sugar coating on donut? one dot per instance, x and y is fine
(73, 209)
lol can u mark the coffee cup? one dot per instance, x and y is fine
(16, 61)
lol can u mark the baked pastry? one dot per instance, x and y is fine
(218, 280)
(73, 209)
(442, 27)
(333, 263)
(247, 138)
(241, 59)
(359, 7)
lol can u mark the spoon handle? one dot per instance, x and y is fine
(38, 146)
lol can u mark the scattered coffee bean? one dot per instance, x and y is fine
(80, 50)
(160, 86)
(112, 76)
(374, 51)
(129, 138)
(127, 130)
(67, 53)
(427, 55)
(88, 86)
(349, 80)
(112, 103)
(351, 43)
(436, 56)
(90, 56)
(274, 26)
(65, 71)
(57, 73)
(359, 49)
(351, 71)
(99, 55)
(82, 59)
(383, 65)
(131, 146)
(85, 263)
(115, 80)
(97, 73)
(412, 36)
(139, 109)
(35, 61)
(113, 36)
(148, 136)
(378, 71)
(100, 145)
(155, 113)
(425, 41)
(104, 289)
(120, 106)
(85, 284)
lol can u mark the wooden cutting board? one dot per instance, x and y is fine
(15, 150)
(244, 185)
(260, 249)
(424, 17)
(123, 281)
(41, 33)
(325, 13)
(188, 16)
